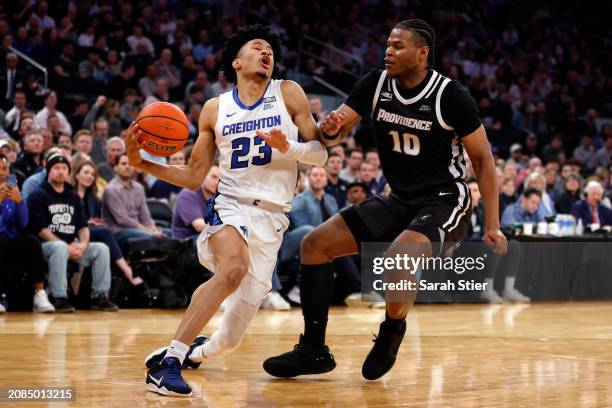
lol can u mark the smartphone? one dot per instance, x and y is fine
(12, 180)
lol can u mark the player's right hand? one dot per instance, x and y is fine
(332, 123)
(132, 146)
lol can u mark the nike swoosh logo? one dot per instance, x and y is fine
(443, 194)
(230, 114)
(278, 230)
(156, 381)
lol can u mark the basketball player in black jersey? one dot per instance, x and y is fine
(423, 121)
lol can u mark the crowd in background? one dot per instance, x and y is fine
(540, 82)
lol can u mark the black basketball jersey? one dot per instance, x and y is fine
(418, 149)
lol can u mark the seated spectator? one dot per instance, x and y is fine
(537, 181)
(83, 180)
(603, 157)
(366, 176)
(124, 205)
(585, 153)
(13, 116)
(50, 108)
(10, 149)
(507, 194)
(161, 189)
(31, 161)
(525, 210)
(19, 250)
(114, 147)
(82, 141)
(590, 210)
(32, 183)
(190, 206)
(355, 193)
(552, 183)
(100, 139)
(373, 158)
(336, 187)
(351, 172)
(552, 150)
(57, 217)
(570, 194)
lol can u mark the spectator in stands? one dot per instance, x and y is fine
(373, 158)
(161, 189)
(10, 148)
(603, 157)
(507, 194)
(50, 108)
(572, 186)
(30, 163)
(126, 79)
(94, 68)
(221, 86)
(200, 83)
(188, 216)
(137, 38)
(525, 210)
(77, 117)
(82, 142)
(11, 79)
(355, 193)
(26, 125)
(532, 149)
(517, 156)
(57, 217)
(20, 252)
(147, 84)
(316, 108)
(585, 153)
(166, 70)
(100, 140)
(538, 181)
(160, 94)
(124, 205)
(83, 179)
(366, 176)
(553, 149)
(590, 210)
(109, 109)
(48, 135)
(313, 206)
(203, 48)
(336, 187)
(130, 106)
(114, 147)
(351, 172)
(33, 182)
(13, 116)
(552, 183)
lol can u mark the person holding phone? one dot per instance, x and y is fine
(19, 251)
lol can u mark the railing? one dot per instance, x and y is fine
(33, 63)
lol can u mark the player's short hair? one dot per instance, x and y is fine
(424, 32)
(243, 36)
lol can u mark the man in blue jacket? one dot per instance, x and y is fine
(313, 206)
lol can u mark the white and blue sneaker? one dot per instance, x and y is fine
(159, 354)
(165, 378)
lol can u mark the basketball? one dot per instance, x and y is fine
(164, 128)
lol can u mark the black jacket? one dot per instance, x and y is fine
(61, 212)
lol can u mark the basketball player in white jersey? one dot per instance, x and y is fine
(255, 127)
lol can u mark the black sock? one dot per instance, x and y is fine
(316, 290)
(393, 324)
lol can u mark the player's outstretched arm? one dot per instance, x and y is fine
(188, 175)
(338, 124)
(478, 149)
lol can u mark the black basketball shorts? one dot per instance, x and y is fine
(382, 219)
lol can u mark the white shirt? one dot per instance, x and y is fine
(40, 120)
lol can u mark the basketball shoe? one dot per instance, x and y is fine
(158, 355)
(303, 359)
(382, 356)
(165, 378)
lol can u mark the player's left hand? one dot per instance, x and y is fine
(276, 139)
(496, 240)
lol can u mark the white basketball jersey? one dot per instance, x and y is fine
(248, 166)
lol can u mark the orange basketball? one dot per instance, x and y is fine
(164, 128)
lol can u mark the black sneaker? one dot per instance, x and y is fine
(102, 302)
(62, 305)
(158, 355)
(303, 359)
(382, 356)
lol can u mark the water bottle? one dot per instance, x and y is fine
(559, 222)
(4, 301)
(572, 225)
(579, 228)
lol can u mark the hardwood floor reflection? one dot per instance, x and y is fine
(541, 355)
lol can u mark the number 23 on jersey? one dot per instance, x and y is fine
(241, 147)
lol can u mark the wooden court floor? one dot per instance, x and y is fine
(511, 355)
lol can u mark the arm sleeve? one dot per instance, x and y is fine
(459, 109)
(360, 98)
(312, 152)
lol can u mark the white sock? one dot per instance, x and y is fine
(197, 355)
(489, 285)
(509, 284)
(178, 350)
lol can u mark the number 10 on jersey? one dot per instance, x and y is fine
(408, 143)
